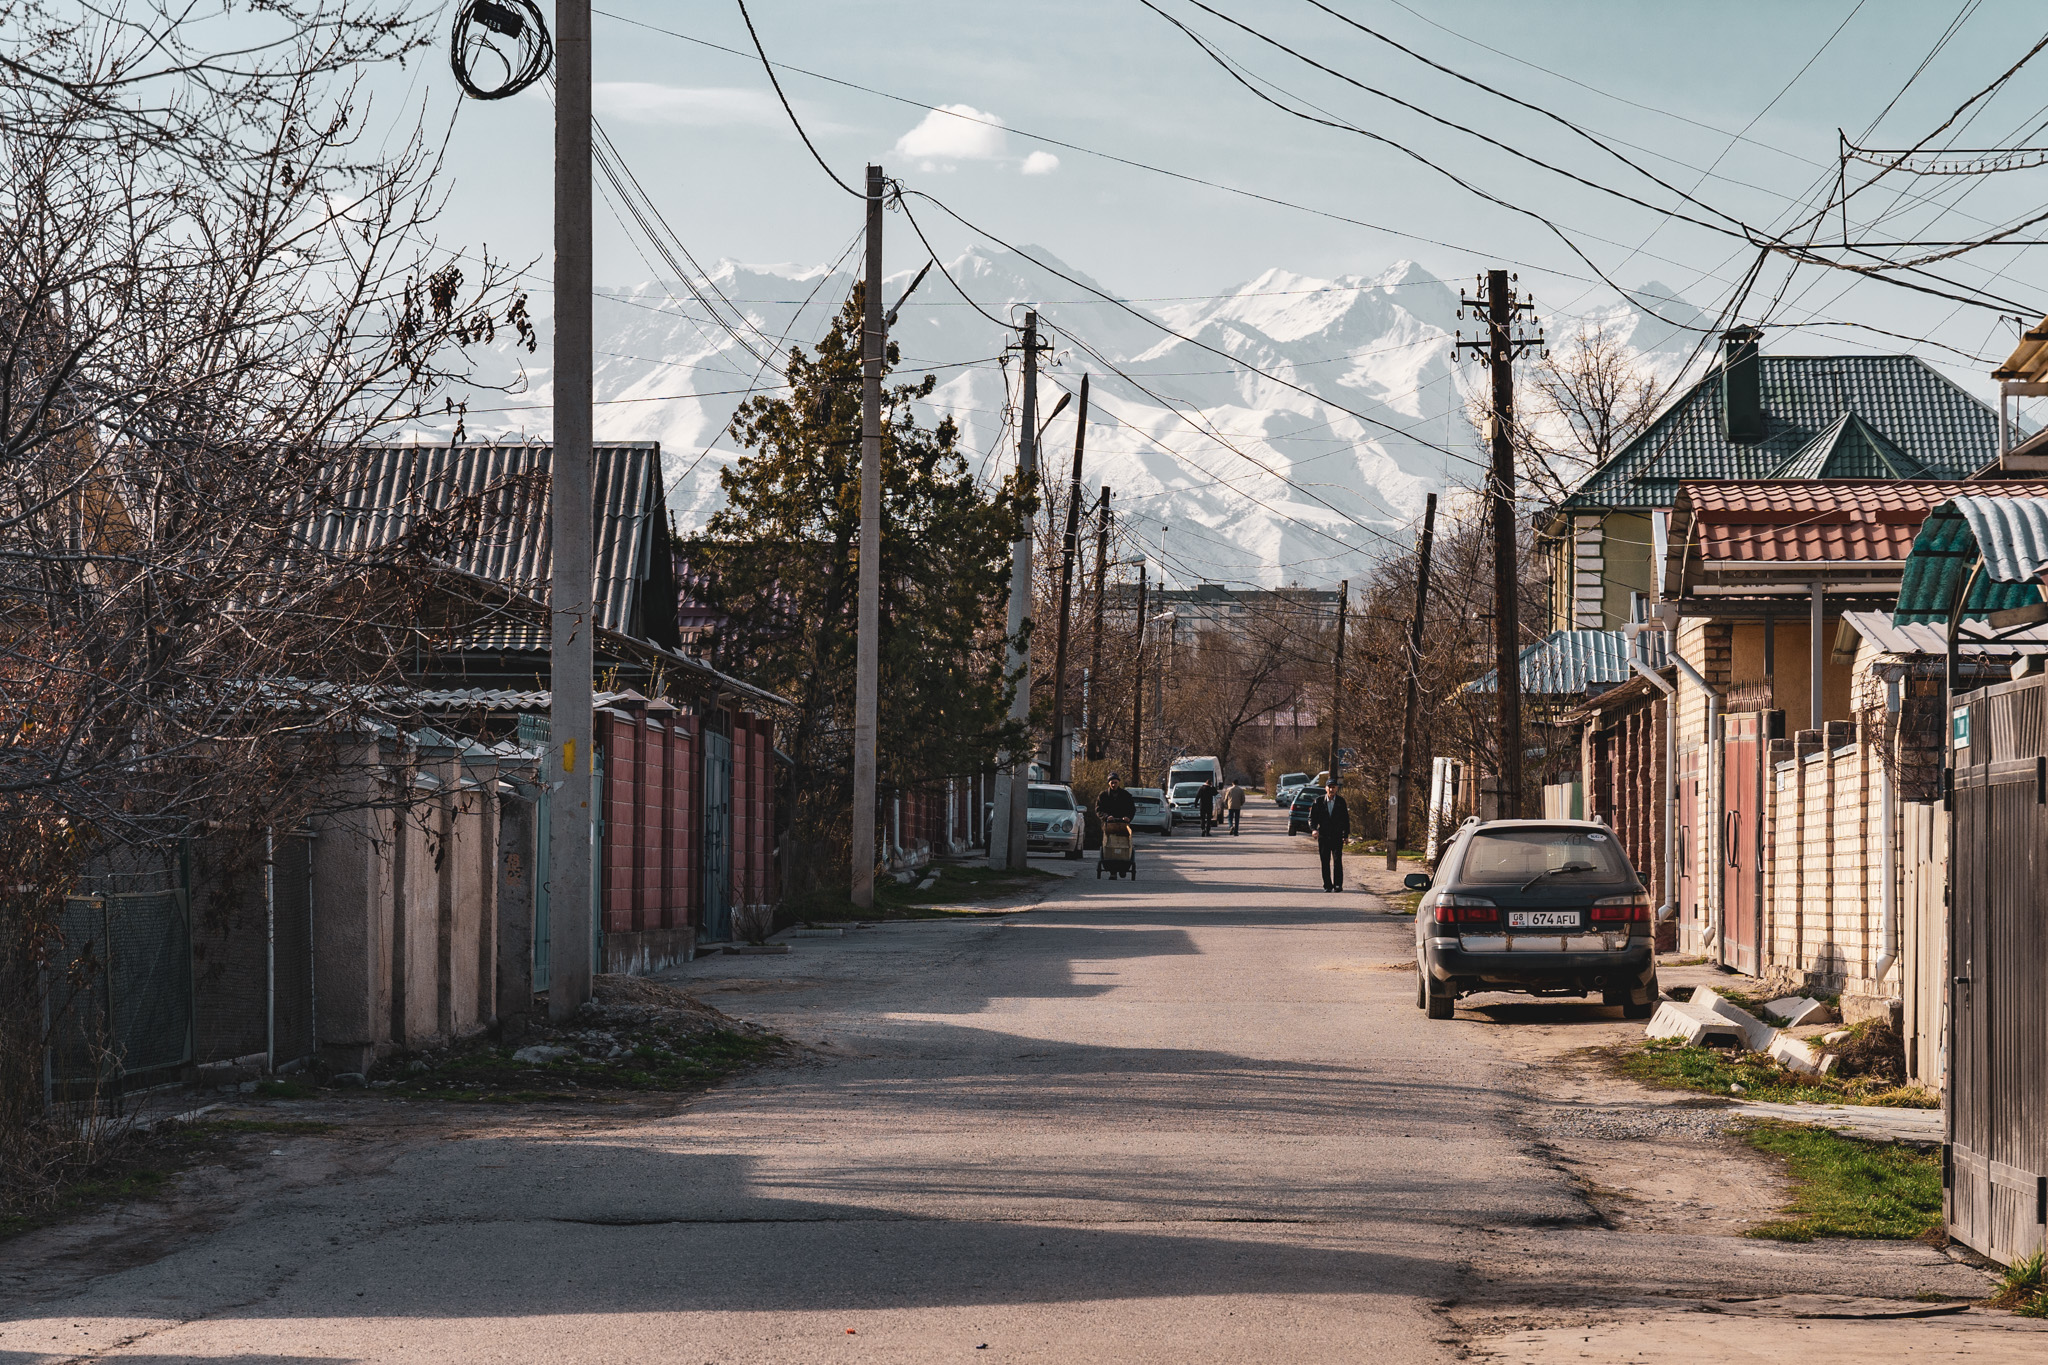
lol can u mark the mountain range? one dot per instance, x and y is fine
(1222, 473)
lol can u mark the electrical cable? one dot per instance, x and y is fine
(516, 20)
(794, 122)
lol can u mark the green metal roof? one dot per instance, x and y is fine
(1924, 422)
(2010, 534)
(1851, 449)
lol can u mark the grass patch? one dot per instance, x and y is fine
(285, 1090)
(1403, 902)
(659, 1058)
(955, 884)
(1849, 1187)
(2021, 1288)
(1670, 1065)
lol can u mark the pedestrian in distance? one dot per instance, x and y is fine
(1329, 819)
(1233, 802)
(1206, 799)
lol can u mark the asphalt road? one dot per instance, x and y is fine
(1192, 1118)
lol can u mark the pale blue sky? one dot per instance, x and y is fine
(1680, 83)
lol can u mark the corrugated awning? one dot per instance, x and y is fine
(1572, 661)
(2010, 534)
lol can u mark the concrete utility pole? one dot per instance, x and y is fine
(1138, 689)
(1397, 799)
(572, 615)
(867, 655)
(1095, 749)
(1500, 346)
(1337, 685)
(1007, 841)
(1070, 549)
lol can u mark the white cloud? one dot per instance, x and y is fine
(955, 132)
(1041, 163)
(695, 106)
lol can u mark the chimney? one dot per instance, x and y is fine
(1742, 400)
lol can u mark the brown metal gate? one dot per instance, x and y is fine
(1742, 807)
(1996, 1164)
(1690, 776)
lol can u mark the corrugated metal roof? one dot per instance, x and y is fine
(1850, 449)
(483, 509)
(1927, 419)
(1573, 661)
(1919, 637)
(2011, 535)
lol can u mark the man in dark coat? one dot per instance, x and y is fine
(1206, 799)
(1329, 819)
(1116, 801)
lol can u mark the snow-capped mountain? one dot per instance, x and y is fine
(1226, 474)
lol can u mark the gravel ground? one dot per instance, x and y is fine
(1633, 1123)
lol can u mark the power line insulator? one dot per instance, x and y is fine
(499, 47)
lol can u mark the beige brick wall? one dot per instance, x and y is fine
(1824, 878)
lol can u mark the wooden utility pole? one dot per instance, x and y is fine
(1138, 689)
(867, 652)
(1094, 707)
(1397, 798)
(572, 614)
(1070, 549)
(1007, 844)
(1337, 684)
(1500, 345)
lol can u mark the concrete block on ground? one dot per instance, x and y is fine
(1803, 1057)
(1857, 1008)
(1695, 1026)
(1794, 1010)
(1756, 1033)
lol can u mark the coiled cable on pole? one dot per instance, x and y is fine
(504, 34)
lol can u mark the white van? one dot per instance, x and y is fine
(1199, 768)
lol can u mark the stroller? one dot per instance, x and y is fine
(1119, 851)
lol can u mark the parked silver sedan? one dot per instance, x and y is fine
(1152, 813)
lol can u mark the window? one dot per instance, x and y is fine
(1510, 857)
(1051, 798)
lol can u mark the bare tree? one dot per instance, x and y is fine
(1576, 407)
(213, 288)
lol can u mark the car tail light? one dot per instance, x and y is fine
(1466, 910)
(1626, 908)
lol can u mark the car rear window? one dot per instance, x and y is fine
(1514, 856)
(1050, 798)
(1145, 800)
(1293, 779)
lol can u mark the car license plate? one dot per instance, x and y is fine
(1543, 919)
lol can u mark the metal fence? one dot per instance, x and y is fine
(120, 988)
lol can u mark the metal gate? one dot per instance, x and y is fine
(717, 836)
(1688, 878)
(1742, 806)
(121, 998)
(1995, 1166)
(291, 950)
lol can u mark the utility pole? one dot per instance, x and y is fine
(867, 653)
(1070, 549)
(1007, 845)
(572, 615)
(1138, 689)
(1337, 685)
(1397, 799)
(1095, 748)
(1502, 342)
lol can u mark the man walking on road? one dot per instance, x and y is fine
(1206, 800)
(1233, 802)
(1329, 819)
(1116, 801)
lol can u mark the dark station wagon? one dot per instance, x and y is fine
(1544, 907)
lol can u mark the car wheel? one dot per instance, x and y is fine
(1073, 855)
(1642, 1011)
(1436, 1001)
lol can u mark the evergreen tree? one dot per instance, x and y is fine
(780, 563)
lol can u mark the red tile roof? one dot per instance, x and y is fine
(1802, 521)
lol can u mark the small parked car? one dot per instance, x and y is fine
(1186, 803)
(1054, 822)
(1289, 784)
(1541, 907)
(1152, 812)
(1297, 814)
